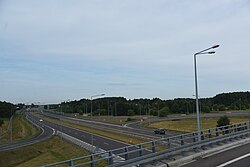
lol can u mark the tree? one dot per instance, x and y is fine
(175, 108)
(80, 112)
(1, 122)
(164, 112)
(6, 109)
(131, 112)
(223, 121)
(119, 106)
(222, 107)
(205, 109)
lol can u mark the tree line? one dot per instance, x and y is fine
(7, 109)
(120, 106)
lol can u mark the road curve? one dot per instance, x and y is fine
(101, 142)
(46, 133)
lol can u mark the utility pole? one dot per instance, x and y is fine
(205, 51)
(11, 130)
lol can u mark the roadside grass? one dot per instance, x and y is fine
(190, 125)
(117, 120)
(121, 120)
(231, 111)
(123, 138)
(113, 120)
(3, 131)
(22, 130)
(50, 151)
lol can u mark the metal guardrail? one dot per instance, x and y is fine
(88, 147)
(149, 151)
(77, 142)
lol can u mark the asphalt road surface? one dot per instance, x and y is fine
(99, 141)
(135, 130)
(110, 144)
(236, 157)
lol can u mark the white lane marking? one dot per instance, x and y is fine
(53, 131)
(209, 155)
(103, 123)
(234, 160)
(97, 135)
(105, 143)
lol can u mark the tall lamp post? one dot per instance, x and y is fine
(205, 51)
(91, 113)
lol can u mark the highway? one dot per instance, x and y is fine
(133, 130)
(101, 142)
(98, 141)
(134, 127)
(46, 133)
(110, 144)
(236, 157)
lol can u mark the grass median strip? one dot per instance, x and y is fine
(21, 129)
(190, 125)
(4, 131)
(120, 120)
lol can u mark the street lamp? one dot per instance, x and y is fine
(60, 106)
(205, 51)
(61, 115)
(91, 114)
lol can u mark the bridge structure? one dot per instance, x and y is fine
(139, 154)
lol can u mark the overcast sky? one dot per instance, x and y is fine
(55, 50)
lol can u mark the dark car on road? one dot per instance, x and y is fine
(160, 131)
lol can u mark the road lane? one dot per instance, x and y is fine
(85, 136)
(132, 130)
(241, 163)
(46, 133)
(224, 157)
(235, 161)
(101, 142)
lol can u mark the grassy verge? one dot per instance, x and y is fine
(189, 125)
(123, 138)
(21, 129)
(231, 111)
(117, 120)
(113, 120)
(3, 131)
(50, 151)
